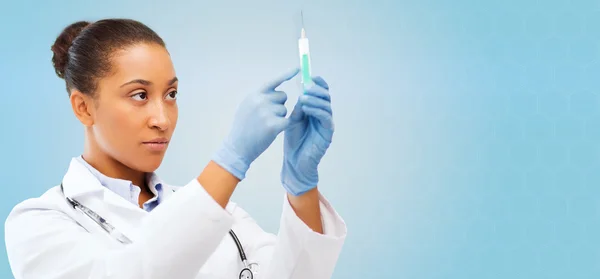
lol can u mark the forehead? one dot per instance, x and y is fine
(142, 61)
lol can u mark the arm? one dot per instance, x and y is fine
(311, 233)
(257, 122)
(43, 241)
(218, 183)
(306, 140)
(307, 208)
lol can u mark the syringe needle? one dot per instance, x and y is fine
(302, 32)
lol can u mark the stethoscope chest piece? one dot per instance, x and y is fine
(246, 273)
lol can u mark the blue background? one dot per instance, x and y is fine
(467, 141)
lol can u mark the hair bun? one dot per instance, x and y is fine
(60, 48)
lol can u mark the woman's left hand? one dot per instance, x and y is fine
(307, 138)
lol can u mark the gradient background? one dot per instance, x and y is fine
(468, 133)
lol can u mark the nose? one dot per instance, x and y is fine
(159, 117)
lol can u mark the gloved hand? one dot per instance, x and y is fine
(260, 117)
(307, 138)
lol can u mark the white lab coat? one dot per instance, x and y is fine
(186, 236)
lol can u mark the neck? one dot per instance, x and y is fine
(111, 167)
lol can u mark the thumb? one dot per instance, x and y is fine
(297, 114)
(282, 124)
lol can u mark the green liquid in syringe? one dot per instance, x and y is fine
(306, 80)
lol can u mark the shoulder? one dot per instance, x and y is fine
(36, 230)
(48, 200)
(33, 208)
(37, 220)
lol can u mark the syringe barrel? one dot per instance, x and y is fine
(305, 62)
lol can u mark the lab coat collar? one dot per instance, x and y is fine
(80, 184)
(79, 181)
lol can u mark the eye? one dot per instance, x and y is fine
(172, 95)
(140, 96)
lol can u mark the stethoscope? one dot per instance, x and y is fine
(245, 273)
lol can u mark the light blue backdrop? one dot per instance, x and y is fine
(467, 142)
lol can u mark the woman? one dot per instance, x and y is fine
(123, 89)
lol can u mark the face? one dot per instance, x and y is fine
(135, 110)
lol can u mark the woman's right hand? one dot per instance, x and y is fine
(258, 120)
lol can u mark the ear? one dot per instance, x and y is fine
(83, 107)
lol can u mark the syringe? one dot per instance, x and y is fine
(304, 57)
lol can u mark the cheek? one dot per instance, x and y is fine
(117, 124)
(174, 115)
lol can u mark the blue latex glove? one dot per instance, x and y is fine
(307, 138)
(260, 117)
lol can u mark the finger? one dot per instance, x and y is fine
(323, 116)
(314, 102)
(279, 110)
(297, 112)
(275, 83)
(278, 97)
(319, 92)
(321, 82)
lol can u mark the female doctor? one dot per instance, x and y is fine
(112, 216)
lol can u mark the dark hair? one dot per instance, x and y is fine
(83, 51)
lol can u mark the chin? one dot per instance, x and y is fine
(149, 163)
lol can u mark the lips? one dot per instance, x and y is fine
(157, 141)
(157, 145)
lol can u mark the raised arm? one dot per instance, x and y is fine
(306, 140)
(259, 119)
(311, 233)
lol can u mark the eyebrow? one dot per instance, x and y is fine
(147, 82)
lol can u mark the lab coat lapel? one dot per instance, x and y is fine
(80, 184)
